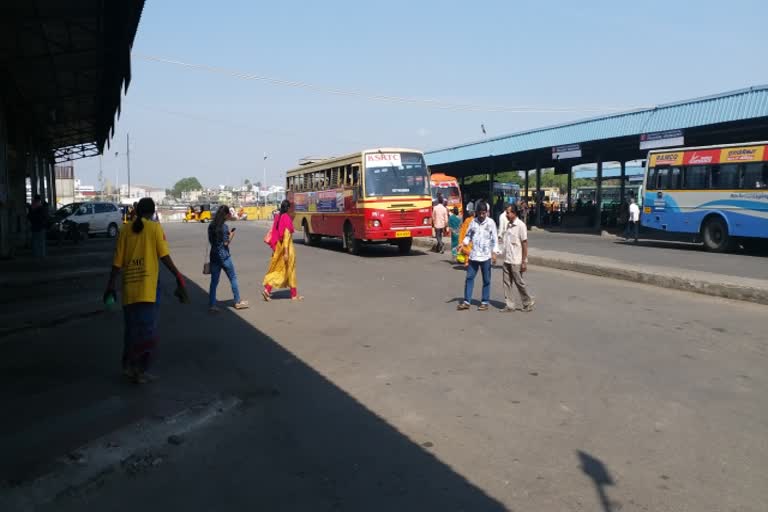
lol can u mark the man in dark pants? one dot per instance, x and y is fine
(440, 222)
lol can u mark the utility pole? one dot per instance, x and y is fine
(264, 183)
(101, 178)
(128, 161)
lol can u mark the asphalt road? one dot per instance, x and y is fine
(685, 256)
(376, 394)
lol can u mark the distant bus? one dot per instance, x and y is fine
(373, 196)
(714, 194)
(611, 196)
(449, 188)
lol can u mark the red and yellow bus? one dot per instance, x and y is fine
(374, 196)
(448, 186)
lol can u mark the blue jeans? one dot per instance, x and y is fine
(469, 285)
(229, 268)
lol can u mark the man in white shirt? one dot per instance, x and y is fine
(503, 222)
(485, 244)
(439, 222)
(515, 250)
(633, 226)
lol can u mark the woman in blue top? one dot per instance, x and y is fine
(220, 237)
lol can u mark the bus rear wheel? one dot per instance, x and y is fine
(309, 238)
(404, 246)
(715, 235)
(351, 244)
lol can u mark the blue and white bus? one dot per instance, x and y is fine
(716, 194)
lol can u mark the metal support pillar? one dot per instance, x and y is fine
(526, 184)
(570, 189)
(622, 187)
(491, 176)
(599, 194)
(539, 204)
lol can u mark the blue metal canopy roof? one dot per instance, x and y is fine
(721, 108)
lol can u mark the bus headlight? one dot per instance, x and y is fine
(427, 221)
(376, 223)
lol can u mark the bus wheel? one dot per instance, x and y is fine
(351, 244)
(715, 235)
(404, 246)
(309, 238)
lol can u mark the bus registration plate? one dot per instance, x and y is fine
(402, 234)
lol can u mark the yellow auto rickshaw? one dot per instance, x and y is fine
(198, 213)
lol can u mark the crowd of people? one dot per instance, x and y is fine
(141, 249)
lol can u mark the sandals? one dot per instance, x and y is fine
(267, 296)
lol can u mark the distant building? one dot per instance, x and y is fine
(140, 191)
(65, 184)
(191, 196)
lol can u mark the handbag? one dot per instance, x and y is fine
(268, 236)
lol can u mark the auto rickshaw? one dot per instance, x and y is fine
(198, 213)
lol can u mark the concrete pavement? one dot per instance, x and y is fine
(375, 394)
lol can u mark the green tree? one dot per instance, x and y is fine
(185, 185)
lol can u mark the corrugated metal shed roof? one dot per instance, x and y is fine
(721, 108)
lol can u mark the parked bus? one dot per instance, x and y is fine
(449, 188)
(374, 196)
(714, 194)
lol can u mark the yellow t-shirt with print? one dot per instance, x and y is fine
(138, 255)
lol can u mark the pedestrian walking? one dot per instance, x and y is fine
(282, 266)
(485, 243)
(439, 222)
(138, 254)
(633, 226)
(454, 226)
(38, 224)
(221, 237)
(515, 249)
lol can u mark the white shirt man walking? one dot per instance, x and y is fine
(484, 238)
(633, 226)
(515, 249)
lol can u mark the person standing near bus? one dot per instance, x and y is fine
(633, 226)
(484, 238)
(515, 249)
(439, 222)
(454, 226)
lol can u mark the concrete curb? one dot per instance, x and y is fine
(705, 283)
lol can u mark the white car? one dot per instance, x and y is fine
(102, 218)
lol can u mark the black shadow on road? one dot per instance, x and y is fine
(596, 470)
(310, 446)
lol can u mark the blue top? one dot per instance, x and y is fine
(219, 240)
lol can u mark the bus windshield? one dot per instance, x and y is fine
(396, 174)
(451, 193)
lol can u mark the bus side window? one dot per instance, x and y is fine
(355, 175)
(650, 183)
(696, 177)
(755, 176)
(725, 176)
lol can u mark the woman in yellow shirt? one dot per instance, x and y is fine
(138, 254)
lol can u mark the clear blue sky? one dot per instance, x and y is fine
(551, 54)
